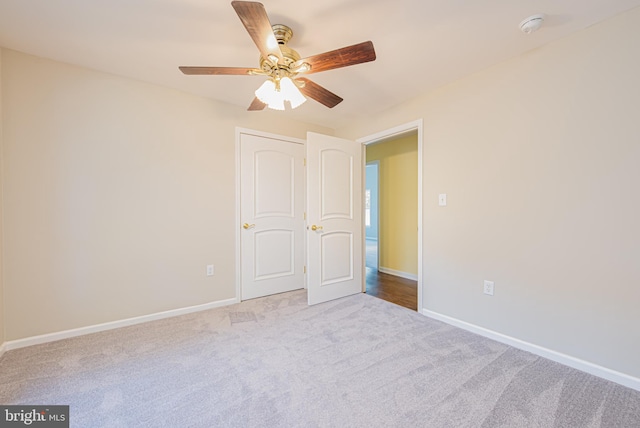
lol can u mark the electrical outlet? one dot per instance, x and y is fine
(488, 287)
(209, 270)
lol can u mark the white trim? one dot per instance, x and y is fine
(576, 363)
(52, 337)
(3, 348)
(391, 133)
(238, 222)
(399, 273)
(248, 131)
(363, 220)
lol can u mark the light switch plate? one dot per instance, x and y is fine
(442, 199)
(209, 270)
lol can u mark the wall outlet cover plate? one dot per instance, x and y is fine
(488, 287)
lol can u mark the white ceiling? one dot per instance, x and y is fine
(420, 44)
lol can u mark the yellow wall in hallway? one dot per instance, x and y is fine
(398, 202)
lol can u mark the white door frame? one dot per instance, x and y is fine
(397, 131)
(238, 222)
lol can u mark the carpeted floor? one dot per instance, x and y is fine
(275, 362)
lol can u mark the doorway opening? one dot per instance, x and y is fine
(371, 211)
(393, 215)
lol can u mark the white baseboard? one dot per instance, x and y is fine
(52, 337)
(567, 360)
(3, 348)
(399, 273)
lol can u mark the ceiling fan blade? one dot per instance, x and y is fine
(344, 57)
(255, 20)
(256, 105)
(216, 70)
(318, 93)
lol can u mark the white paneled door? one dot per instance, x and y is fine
(272, 215)
(334, 225)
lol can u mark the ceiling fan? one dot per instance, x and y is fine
(282, 65)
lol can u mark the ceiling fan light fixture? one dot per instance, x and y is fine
(291, 93)
(277, 103)
(297, 102)
(274, 94)
(266, 90)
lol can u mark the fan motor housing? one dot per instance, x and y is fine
(283, 35)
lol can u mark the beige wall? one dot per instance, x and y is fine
(398, 202)
(540, 159)
(117, 194)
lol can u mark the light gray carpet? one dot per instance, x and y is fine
(275, 362)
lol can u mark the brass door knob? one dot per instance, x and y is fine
(248, 226)
(314, 227)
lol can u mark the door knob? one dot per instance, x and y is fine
(314, 227)
(248, 226)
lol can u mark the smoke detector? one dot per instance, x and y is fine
(532, 23)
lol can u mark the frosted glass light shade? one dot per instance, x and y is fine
(265, 91)
(291, 92)
(274, 95)
(277, 102)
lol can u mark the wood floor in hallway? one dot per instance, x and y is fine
(394, 289)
